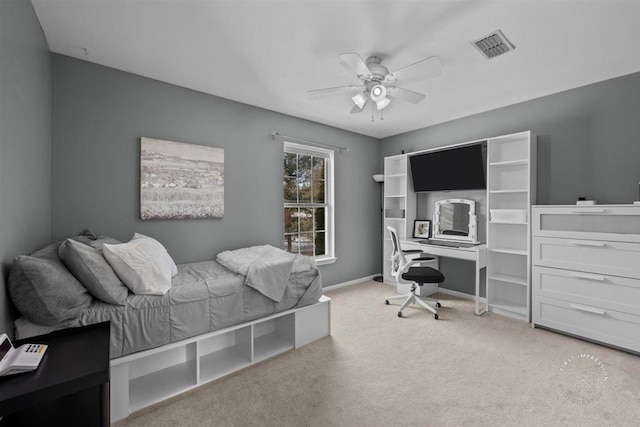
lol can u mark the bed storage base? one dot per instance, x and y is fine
(147, 377)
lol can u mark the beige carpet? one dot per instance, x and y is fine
(379, 370)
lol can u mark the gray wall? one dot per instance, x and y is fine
(25, 137)
(99, 115)
(588, 139)
(588, 143)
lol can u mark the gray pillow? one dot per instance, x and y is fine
(93, 271)
(98, 243)
(44, 291)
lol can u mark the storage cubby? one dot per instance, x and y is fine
(508, 299)
(395, 165)
(508, 268)
(509, 149)
(224, 353)
(509, 178)
(273, 337)
(142, 379)
(395, 207)
(162, 375)
(394, 186)
(509, 237)
(509, 200)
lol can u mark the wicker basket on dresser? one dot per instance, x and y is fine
(586, 272)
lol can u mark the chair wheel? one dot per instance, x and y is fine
(386, 302)
(399, 314)
(435, 316)
(438, 305)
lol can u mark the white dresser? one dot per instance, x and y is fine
(586, 272)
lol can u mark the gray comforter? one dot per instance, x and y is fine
(204, 297)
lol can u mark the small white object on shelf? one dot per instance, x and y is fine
(508, 215)
(586, 202)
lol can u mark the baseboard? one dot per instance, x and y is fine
(350, 282)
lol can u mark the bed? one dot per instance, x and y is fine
(204, 296)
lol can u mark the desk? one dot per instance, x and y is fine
(71, 385)
(477, 254)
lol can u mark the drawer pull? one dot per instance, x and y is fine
(587, 309)
(588, 276)
(587, 243)
(589, 211)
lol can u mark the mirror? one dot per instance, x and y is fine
(455, 219)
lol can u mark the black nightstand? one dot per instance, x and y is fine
(71, 385)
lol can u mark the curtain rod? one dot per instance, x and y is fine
(278, 135)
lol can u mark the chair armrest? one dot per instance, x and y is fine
(424, 258)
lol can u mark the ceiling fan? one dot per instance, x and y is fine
(379, 85)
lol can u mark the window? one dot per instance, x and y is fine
(308, 201)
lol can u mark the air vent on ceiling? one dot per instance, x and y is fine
(492, 45)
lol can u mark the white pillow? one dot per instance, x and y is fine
(141, 264)
(165, 258)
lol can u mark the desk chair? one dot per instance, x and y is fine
(402, 270)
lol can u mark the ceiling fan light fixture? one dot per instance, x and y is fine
(378, 93)
(383, 103)
(360, 99)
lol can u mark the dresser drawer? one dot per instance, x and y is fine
(610, 258)
(615, 293)
(603, 222)
(592, 322)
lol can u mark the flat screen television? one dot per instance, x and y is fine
(461, 168)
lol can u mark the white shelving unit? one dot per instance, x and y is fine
(141, 379)
(399, 205)
(511, 187)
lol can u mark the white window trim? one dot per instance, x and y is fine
(330, 256)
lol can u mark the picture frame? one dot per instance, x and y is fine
(422, 229)
(180, 180)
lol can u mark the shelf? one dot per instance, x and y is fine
(509, 222)
(222, 362)
(518, 162)
(161, 385)
(510, 307)
(508, 191)
(509, 251)
(269, 345)
(395, 175)
(507, 278)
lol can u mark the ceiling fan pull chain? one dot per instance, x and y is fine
(372, 112)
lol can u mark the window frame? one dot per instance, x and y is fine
(290, 147)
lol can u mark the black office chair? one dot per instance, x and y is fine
(404, 273)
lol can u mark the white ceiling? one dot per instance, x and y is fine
(270, 53)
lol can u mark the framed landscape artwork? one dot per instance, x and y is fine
(180, 181)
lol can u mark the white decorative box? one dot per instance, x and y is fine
(508, 215)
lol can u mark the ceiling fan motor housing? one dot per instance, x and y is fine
(378, 71)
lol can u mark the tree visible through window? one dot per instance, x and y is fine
(306, 205)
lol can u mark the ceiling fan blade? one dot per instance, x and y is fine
(405, 94)
(356, 109)
(337, 89)
(356, 63)
(425, 68)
